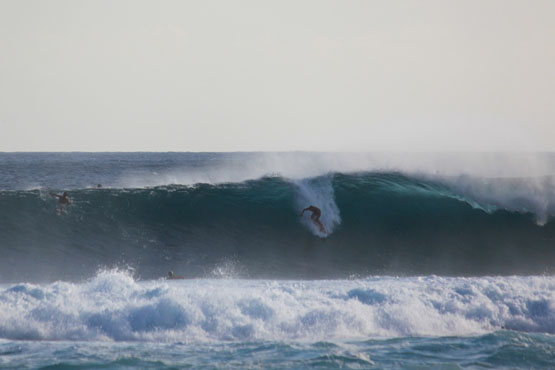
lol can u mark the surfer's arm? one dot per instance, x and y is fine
(55, 195)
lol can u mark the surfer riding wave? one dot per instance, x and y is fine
(315, 217)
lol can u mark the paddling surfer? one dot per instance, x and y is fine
(315, 217)
(171, 276)
(63, 201)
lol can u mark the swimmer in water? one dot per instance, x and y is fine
(63, 201)
(316, 213)
(171, 276)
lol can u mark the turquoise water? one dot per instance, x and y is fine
(421, 266)
(497, 350)
(115, 321)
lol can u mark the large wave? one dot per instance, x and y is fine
(377, 223)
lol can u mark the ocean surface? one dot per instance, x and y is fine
(428, 260)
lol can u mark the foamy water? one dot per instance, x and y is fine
(230, 222)
(113, 306)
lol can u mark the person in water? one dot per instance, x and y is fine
(316, 213)
(171, 276)
(63, 201)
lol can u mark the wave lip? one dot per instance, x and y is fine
(114, 307)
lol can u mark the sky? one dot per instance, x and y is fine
(277, 75)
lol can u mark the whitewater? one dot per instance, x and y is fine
(429, 261)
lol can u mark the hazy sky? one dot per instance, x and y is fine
(281, 75)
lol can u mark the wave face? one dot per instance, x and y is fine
(377, 223)
(113, 306)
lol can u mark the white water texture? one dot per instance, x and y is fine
(114, 307)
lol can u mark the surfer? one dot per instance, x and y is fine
(63, 201)
(316, 213)
(171, 276)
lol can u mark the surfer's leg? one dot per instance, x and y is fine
(316, 219)
(320, 226)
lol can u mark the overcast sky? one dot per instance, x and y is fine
(281, 75)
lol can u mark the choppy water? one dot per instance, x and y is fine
(420, 266)
(114, 321)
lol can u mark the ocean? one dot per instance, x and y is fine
(427, 260)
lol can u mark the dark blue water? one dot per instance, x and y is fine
(426, 262)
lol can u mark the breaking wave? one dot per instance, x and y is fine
(112, 306)
(377, 223)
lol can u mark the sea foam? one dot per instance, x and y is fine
(112, 306)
